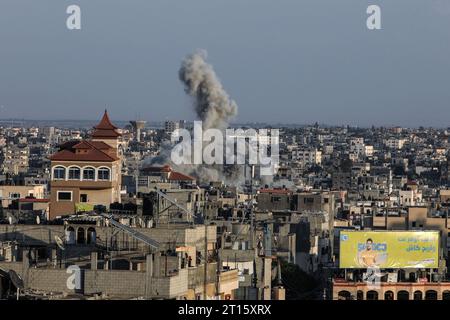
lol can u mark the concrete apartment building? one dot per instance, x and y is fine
(114, 264)
(8, 193)
(395, 143)
(274, 199)
(308, 157)
(15, 159)
(357, 146)
(86, 173)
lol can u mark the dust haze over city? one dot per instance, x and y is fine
(257, 151)
(282, 62)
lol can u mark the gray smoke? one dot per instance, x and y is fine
(213, 106)
(211, 102)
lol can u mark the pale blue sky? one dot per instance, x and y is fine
(294, 61)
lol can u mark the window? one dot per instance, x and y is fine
(83, 197)
(64, 195)
(103, 174)
(59, 173)
(74, 173)
(14, 195)
(89, 174)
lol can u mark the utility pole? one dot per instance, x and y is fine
(206, 262)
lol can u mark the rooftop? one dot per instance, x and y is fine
(105, 129)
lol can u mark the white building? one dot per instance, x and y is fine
(368, 151)
(357, 146)
(307, 157)
(394, 143)
(410, 197)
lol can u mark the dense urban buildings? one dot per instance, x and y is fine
(351, 213)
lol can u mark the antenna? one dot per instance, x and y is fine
(60, 243)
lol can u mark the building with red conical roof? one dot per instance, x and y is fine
(86, 173)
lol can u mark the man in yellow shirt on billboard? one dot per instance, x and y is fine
(368, 257)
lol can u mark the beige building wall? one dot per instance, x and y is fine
(98, 192)
(19, 192)
(339, 289)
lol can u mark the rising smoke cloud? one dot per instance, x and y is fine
(211, 102)
(214, 107)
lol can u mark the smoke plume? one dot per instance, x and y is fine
(211, 103)
(214, 107)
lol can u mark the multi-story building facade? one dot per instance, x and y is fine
(15, 159)
(307, 157)
(86, 173)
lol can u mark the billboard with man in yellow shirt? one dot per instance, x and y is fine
(389, 249)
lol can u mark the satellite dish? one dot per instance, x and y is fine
(38, 220)
(16, 279)
(59, 242)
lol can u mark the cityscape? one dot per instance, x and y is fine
(226, 157)
(136, 230)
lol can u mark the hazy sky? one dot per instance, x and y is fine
(297, 61)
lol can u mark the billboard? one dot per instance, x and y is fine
(389, 249)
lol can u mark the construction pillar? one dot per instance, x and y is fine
(94, 260)
(157, 265)
(179, 260)
(148, 276)
(54, 258)
(25, 266)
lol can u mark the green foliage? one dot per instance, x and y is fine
(298, 284)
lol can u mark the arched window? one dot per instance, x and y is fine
(344, 295)
(103, 174)
(430, 295)
(80, 236)
(388, 295)
(59, 173)
(74, 173)
(89, 173)
(403, 295)
(446, 295)
(359, 295)
(70, 235)
(372, 295)
(91, 236)
(418, 295)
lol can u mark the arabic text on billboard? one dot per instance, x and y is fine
(401, 249)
